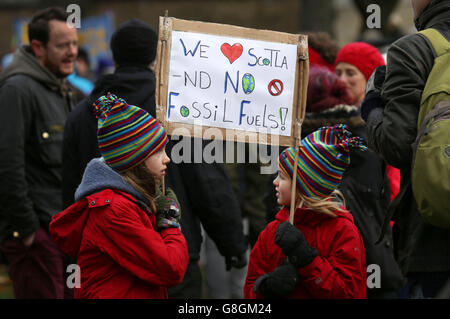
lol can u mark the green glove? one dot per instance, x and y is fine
(168, 212)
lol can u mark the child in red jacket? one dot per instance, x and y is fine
(124, 234)
(322, 254)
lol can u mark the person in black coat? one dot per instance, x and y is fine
(391, 110)
(203, 190)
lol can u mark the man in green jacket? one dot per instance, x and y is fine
(35, 101)
(391, 113)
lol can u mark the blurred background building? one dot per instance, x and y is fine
(341, 18)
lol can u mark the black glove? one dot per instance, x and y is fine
(279, 283)
(168, 212)
(239, 261)
(372, 97)
(294, 245)
(376, 80)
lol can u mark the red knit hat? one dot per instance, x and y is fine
(362, 55)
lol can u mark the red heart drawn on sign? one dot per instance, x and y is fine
(232, 52)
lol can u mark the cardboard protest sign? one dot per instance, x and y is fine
(243, 82)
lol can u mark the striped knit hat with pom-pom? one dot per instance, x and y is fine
(322, 160)
(127, 135)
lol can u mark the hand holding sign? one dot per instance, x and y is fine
(259, 94)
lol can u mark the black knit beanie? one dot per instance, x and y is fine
(134, 43)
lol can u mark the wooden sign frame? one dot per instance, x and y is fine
(169, 24)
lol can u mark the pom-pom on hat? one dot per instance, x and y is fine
(127, 135)
(322, 160)
(362, 55)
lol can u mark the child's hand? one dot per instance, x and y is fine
(168, 211)
(294, 245)
(279, 283)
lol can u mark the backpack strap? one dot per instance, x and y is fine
(438, 41)
(437, 86)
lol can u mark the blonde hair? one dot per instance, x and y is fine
(143, 181)
(325, 205)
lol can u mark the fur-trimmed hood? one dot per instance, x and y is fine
(339, 114)
(99, 176)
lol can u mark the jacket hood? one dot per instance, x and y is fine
(435, 12)
(25, 63)
(308, 217)
(99, 183)
(99, 176)
(339, 114)
(132, 83)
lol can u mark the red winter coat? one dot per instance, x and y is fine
(119, 252)
(393, 175)
(339, 271)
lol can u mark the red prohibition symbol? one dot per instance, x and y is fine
(275, 87)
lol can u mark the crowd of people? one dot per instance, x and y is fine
(88, 180)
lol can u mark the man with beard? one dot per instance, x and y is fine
(36, 100)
